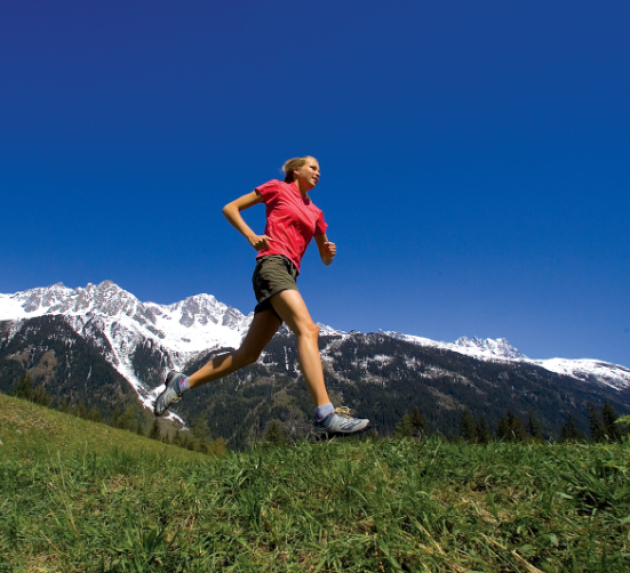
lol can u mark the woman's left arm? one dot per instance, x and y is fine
(327, 250)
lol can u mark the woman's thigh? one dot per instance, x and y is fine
(292, 309)
(264, 325)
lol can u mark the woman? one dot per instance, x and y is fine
(292, 221)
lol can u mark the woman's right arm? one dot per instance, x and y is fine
(232, 212)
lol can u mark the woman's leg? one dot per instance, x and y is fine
(261, 331)
(290, 306)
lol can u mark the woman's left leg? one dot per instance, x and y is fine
(260, 333)
(329, 421)
(291, 308)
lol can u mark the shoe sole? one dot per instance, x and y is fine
(169, 378)
(155, 413)
(322, 434)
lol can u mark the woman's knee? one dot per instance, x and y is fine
(246, 356)
(307, 329)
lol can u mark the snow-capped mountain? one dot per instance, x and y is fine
(500, 350)
(179, 331)
(182, 332)
(100, 347)
(612, 375)
(482, 349)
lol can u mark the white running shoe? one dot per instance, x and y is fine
(170, 395)
(341, 423)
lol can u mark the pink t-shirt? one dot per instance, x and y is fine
(292, 220)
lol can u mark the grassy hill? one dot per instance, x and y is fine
(79, 496)
(30, 431)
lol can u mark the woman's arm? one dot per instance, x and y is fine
(327, 250)
(232, 212)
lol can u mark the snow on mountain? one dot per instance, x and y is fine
(500, 350)
(481, 349)
(488, 348)
(190, 325)
(182, 331)
(612, 375)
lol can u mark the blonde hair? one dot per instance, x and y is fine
(293, 164)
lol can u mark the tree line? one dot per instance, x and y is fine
(605, 425)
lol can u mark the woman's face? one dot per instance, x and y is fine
(307, 176)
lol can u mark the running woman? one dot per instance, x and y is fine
(292, 221)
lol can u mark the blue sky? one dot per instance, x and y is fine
(475, 157)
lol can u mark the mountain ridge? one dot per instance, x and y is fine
(80, 344)
(200, 323)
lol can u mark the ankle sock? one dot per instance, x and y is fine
(322, 411)
(183, 385)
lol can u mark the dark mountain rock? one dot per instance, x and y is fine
(71, 369)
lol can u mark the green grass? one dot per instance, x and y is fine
(76, 496)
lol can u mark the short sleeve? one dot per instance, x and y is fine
(269, 190)
(320, 225)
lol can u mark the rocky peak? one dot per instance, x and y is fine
(499, 347)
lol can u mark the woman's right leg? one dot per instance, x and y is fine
(261, 331)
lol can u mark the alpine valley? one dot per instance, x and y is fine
(101, 347)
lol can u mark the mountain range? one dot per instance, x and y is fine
(102, 346)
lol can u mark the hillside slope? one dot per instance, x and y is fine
(28, 430)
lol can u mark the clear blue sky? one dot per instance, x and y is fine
(475, 157)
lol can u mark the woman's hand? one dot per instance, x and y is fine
(327, 250)
(330, 250)
(232, 212)
(259, 242)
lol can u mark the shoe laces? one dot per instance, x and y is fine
(344, 411)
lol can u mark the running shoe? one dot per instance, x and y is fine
(170, 395)
(341, 423)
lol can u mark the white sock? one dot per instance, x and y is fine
(183, 386)
(322, 411)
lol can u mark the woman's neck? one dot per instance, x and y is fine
(304, 192)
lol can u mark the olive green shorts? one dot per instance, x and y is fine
(273, 274)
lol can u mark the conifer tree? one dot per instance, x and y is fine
(94, 415)
(404, 429)
(80, 411)
(200, 431)
(24, 388)
(609, 417)
(218, 447)
(156, 432)
(418, 422)
(503, 431)
(598, 434)
(533, 427)
(570, 432)
(182, 439)
(274, 434)
(511, 429)
(63, 406)
(40, 396)
(200, 428)
(467, 427)
(482, 431)
(128, 420)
